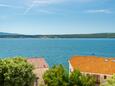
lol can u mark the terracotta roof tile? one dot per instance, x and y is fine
(93, 64)
(38, 62)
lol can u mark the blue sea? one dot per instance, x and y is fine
(56, 51)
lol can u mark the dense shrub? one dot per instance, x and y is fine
(16, 72)
(78, 79)
(58, 76)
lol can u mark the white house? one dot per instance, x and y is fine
(100, 67)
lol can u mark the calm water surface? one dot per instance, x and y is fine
(56, 51)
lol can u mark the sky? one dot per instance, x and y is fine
(57, 16)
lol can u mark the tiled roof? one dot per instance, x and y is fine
(93, 64)
(40, 66)
(38, 62)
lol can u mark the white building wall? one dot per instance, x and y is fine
(70, 67)
(102, 80)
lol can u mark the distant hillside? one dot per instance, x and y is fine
(97, 35)
(4, 33)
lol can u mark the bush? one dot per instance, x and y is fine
(58, 76)
(16, 72)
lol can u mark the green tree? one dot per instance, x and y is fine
(75, 78)
(78, 79)
(16, 72)
(87, 80)
(110, 81)
(56, 76)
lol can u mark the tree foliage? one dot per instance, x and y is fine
(58, 76)
(87, 80)
(75, 78)
(78, 79)
(16, 72)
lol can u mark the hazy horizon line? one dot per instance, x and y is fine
(56, 33)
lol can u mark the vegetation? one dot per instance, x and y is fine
(110, 82)
(16, 72)
(98, 35)
(87, 80)
(58, 76)
(75, 78)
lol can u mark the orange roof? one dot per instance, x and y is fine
(93, 64)
(38, 62)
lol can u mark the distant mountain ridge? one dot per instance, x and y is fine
(96, 35)
(4, 33)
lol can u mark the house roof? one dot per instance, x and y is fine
(93, 64)
(40, 66)
(38, 62)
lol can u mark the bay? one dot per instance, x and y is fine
(56, 51)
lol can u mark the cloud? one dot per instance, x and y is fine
(83, 1)
(87, 1)
(50, 2)
(46, 1)
(9, 6)
(47, 11)
(106, 11)
(4, 5)
(28, 9)
(41, 2)
(58, 1)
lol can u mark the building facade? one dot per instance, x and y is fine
(99, 67)
(40, 67)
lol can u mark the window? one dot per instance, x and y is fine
(88, 74)
(105, 77)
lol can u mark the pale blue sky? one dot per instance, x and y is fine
(57, 16)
